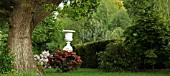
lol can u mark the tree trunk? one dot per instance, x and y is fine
(25, 17)
(19, 37)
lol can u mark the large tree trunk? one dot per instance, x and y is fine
(25, 17)
(19, 37)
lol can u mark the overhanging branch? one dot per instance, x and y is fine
(40, 13)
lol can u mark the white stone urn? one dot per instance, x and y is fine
(68, 38)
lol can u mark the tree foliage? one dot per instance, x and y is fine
(48, 36)
(6, 7)
(107, 21)
(80, 8)
(164, 6)
(149, 37)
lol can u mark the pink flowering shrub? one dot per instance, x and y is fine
(64, 60)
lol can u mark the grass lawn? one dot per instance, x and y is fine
(95, 72)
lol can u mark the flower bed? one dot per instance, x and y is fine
(62, 61)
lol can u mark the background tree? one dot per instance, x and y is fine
(107, 22)
(149, 36)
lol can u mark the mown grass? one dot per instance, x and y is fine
(96, 72)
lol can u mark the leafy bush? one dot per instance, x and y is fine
(6, 62)
(64, 61)
(116, 57)
(88, 51)
(5, 58)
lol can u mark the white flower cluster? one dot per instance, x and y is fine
(42, 58)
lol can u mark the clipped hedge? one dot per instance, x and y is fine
(88, 52)
(119, 57)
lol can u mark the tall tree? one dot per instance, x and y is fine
(149, 36)
(23, 16)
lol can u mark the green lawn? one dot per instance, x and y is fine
(95, 72)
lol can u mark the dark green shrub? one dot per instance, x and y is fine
(88, 52)
(116, 57)
(149, 37)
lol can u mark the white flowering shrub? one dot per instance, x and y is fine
(42, 59)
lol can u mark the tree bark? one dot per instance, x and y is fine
(25, 17)
(19, 37)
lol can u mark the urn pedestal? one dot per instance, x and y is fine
(68, 38)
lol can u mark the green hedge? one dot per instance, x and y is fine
(116, 57)
(88, 52)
